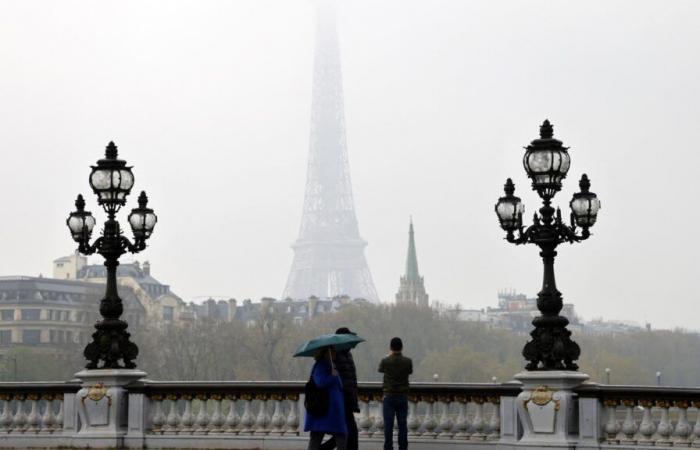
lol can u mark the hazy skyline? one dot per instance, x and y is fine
(210, 102)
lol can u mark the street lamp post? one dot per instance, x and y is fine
(111, 180)
(547, 162)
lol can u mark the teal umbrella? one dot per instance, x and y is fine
(339, 341)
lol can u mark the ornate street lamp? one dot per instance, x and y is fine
(547, 162)
(111, 180)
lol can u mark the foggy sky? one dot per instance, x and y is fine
(210, 102)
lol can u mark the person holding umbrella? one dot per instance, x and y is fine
(345, 365)
(325, 380)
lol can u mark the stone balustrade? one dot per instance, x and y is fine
(37, 412)
(270, 415)
(636, 416)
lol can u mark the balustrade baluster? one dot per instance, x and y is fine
(262, 421)
(412, 421)
(681, 432)
(612, 426)
(647, 427)
(33, 418)
(187, 418)
(58, 421)
(629, 426)
(478, 423)
(378, 421)
(48, 417)
(6, 416)
(365, 422)
(292, 421)
(696, 428)
(446, 424)
(19, 419)
(232, 418)
(216, 422)
(429, 422)
(664, 429)
(247, 420)
(158, 418)
(172, 420)
(462, 424)
(495, 421)
(277, 421)
(202, 421)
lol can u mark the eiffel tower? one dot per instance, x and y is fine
(329, 257)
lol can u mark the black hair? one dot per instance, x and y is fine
(396, 344)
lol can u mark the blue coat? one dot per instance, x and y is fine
(334, 420)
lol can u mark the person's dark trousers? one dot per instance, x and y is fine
(395, 405)
(352, 432)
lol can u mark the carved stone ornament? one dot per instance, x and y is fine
(97, 393)
(541, 396)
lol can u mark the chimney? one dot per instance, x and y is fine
(146, 268)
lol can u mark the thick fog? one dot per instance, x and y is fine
(210, 102)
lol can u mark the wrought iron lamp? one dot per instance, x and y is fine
(111, 180)
(547, 163)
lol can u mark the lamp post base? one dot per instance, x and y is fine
(102, 406)
(547, 408)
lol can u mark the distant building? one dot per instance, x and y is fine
(51, 312)
(411, 287)
(515, 312)
(161, 304)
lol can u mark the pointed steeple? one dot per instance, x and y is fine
(411, 259)
(411, 288)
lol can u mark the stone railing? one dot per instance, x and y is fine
(639, 416)
(241, 414)
(40, 413)
(248, 415)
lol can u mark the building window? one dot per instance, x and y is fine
(69, 336)
(298, 320)
(6, 337)
(31, 314)
(52, 336)
(31, 336)
(168, 313)
(8, 314)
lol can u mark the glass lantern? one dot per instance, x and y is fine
(585, 204)
(80, 222)
(546, 162)
(509, 209)
(111, 179)
(142, 219)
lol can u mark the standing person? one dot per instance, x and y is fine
(345, 365)
(332, 422)
(396, 369)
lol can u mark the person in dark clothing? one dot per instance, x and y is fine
(332, 422)
(396, 369)
(345, 365)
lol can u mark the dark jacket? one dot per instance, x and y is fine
(333, 422)
(396, 369)
(348, 374)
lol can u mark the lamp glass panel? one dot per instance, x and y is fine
(540, 161)
(89, 222)
(150, 221)
(580, 206)
(137, 221)
(126, 179)
(75, 223)
(595, 206)
(565, 162)
(505, 210)
(101, 179)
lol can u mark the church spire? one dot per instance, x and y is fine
(411, 288)
(411, 258)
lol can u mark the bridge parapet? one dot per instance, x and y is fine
(250, 415)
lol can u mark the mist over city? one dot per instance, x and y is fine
(200, 191)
